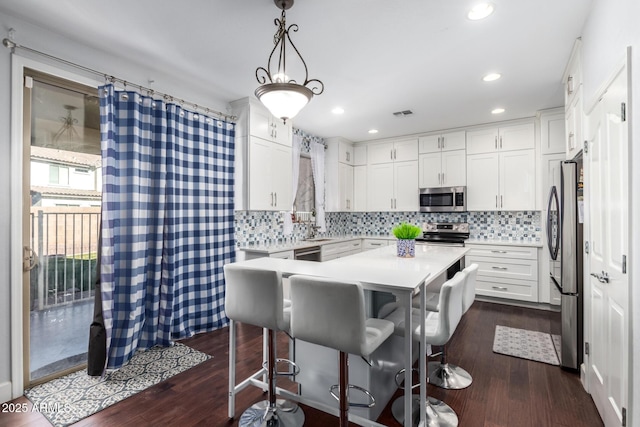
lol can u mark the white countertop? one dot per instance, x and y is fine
(377, 269)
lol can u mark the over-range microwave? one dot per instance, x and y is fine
(443, 199)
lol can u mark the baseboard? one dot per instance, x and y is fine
(516, 303)
(5, 392)
(583, 377)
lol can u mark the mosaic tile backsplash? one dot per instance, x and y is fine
(259, 227)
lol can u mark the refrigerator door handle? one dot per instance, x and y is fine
(555, 282)
(553, 244)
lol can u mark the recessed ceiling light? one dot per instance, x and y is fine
(373, 131)
(481, 11)
(491, 77)
(497, 111)
(338, 110)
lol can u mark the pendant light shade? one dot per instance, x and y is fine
(284, 97)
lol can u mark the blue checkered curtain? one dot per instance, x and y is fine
(167, 221)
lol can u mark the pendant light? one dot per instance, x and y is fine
(283, 96)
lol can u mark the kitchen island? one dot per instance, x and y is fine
(377, 270)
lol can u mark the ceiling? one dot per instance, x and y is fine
(375, 57)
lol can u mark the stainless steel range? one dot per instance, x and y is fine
(446, 234)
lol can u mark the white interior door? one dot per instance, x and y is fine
(609, 319)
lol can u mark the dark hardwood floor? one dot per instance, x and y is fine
(506, 391)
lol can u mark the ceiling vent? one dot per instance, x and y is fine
(404, 113)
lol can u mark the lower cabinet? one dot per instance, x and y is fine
(505, 271)
(368, 244)
(331, 251)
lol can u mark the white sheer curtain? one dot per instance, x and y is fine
(317, 165)
(295, 176)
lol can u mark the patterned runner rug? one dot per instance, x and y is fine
(531, 345)
(66, 400)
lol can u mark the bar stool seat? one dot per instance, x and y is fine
(331, 313)
(254, 296)
(439, 328)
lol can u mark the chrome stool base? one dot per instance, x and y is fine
(286, 414)
(439, 414)
(448, 376)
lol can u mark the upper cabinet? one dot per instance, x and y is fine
(573, 103)
(442, 160)
(552, 131)
(442, 142)
(263, 125)
(503, 138)
(392, 151)
(338, 166)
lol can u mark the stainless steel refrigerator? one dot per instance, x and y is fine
(565, 242)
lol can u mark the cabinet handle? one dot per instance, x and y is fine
(375, 244)
(440, 142)
(500, 288)
(501, 205)
(271, 194)
(498, 268)
(495, 140)
(499, 252)
(500, 142)
(276, 199)
(348, 156)
(496, 201)
(439, 181)
(443, 181)
(569, 85)
(572, 144)
(395, 154)
(442, 146)
(391, 203)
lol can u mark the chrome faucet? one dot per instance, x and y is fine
(311, 230)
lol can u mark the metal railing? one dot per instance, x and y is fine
(65, 241)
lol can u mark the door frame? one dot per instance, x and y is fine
(18, 65)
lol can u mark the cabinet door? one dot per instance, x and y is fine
(360, 155)
(454, 168)
(453, 141)
(346, 187)
(281, 176)
(552, 133)
(406, 186)
(260, 170)
(429, 144)
(260, 123)
(482, 141)
(429, 169)
(406, 150)
(574, 127)
(345, 153)
(482, 182)
(380, 187)
(518, 180)
(359, 188)
(282, 133)
(380, 153)
(517, 137)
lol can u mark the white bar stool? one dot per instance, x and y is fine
(439, 327)
(254, 296)
(332, 314)
(446, 375)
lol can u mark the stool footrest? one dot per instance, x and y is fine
(399, 382)
(372, 400)
(289, 373)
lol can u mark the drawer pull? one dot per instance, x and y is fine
(375, 244)
(499, 268)
(499, 252)
(500, 288)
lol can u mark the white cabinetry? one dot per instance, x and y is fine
(501, 181)
(331, 251)
(270, 175)
(263, 165)
(442, 160)
(339, 178)
(573, 102)
(504, 138)
(552, 131)
(392, 176)
(505, 271)
(360, 188)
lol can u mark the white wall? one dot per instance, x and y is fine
(611, 27)
(53, 44)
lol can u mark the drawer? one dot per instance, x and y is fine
(374, 243)
(523, 290)
(339, 248)
(522, 269)
(498, 251)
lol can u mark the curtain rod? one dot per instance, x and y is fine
(10, 44)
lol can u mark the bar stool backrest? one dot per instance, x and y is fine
(450, 309)
(329, 313)
(469, 287)
(254, 296)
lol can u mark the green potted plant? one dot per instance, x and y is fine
(406, 234)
